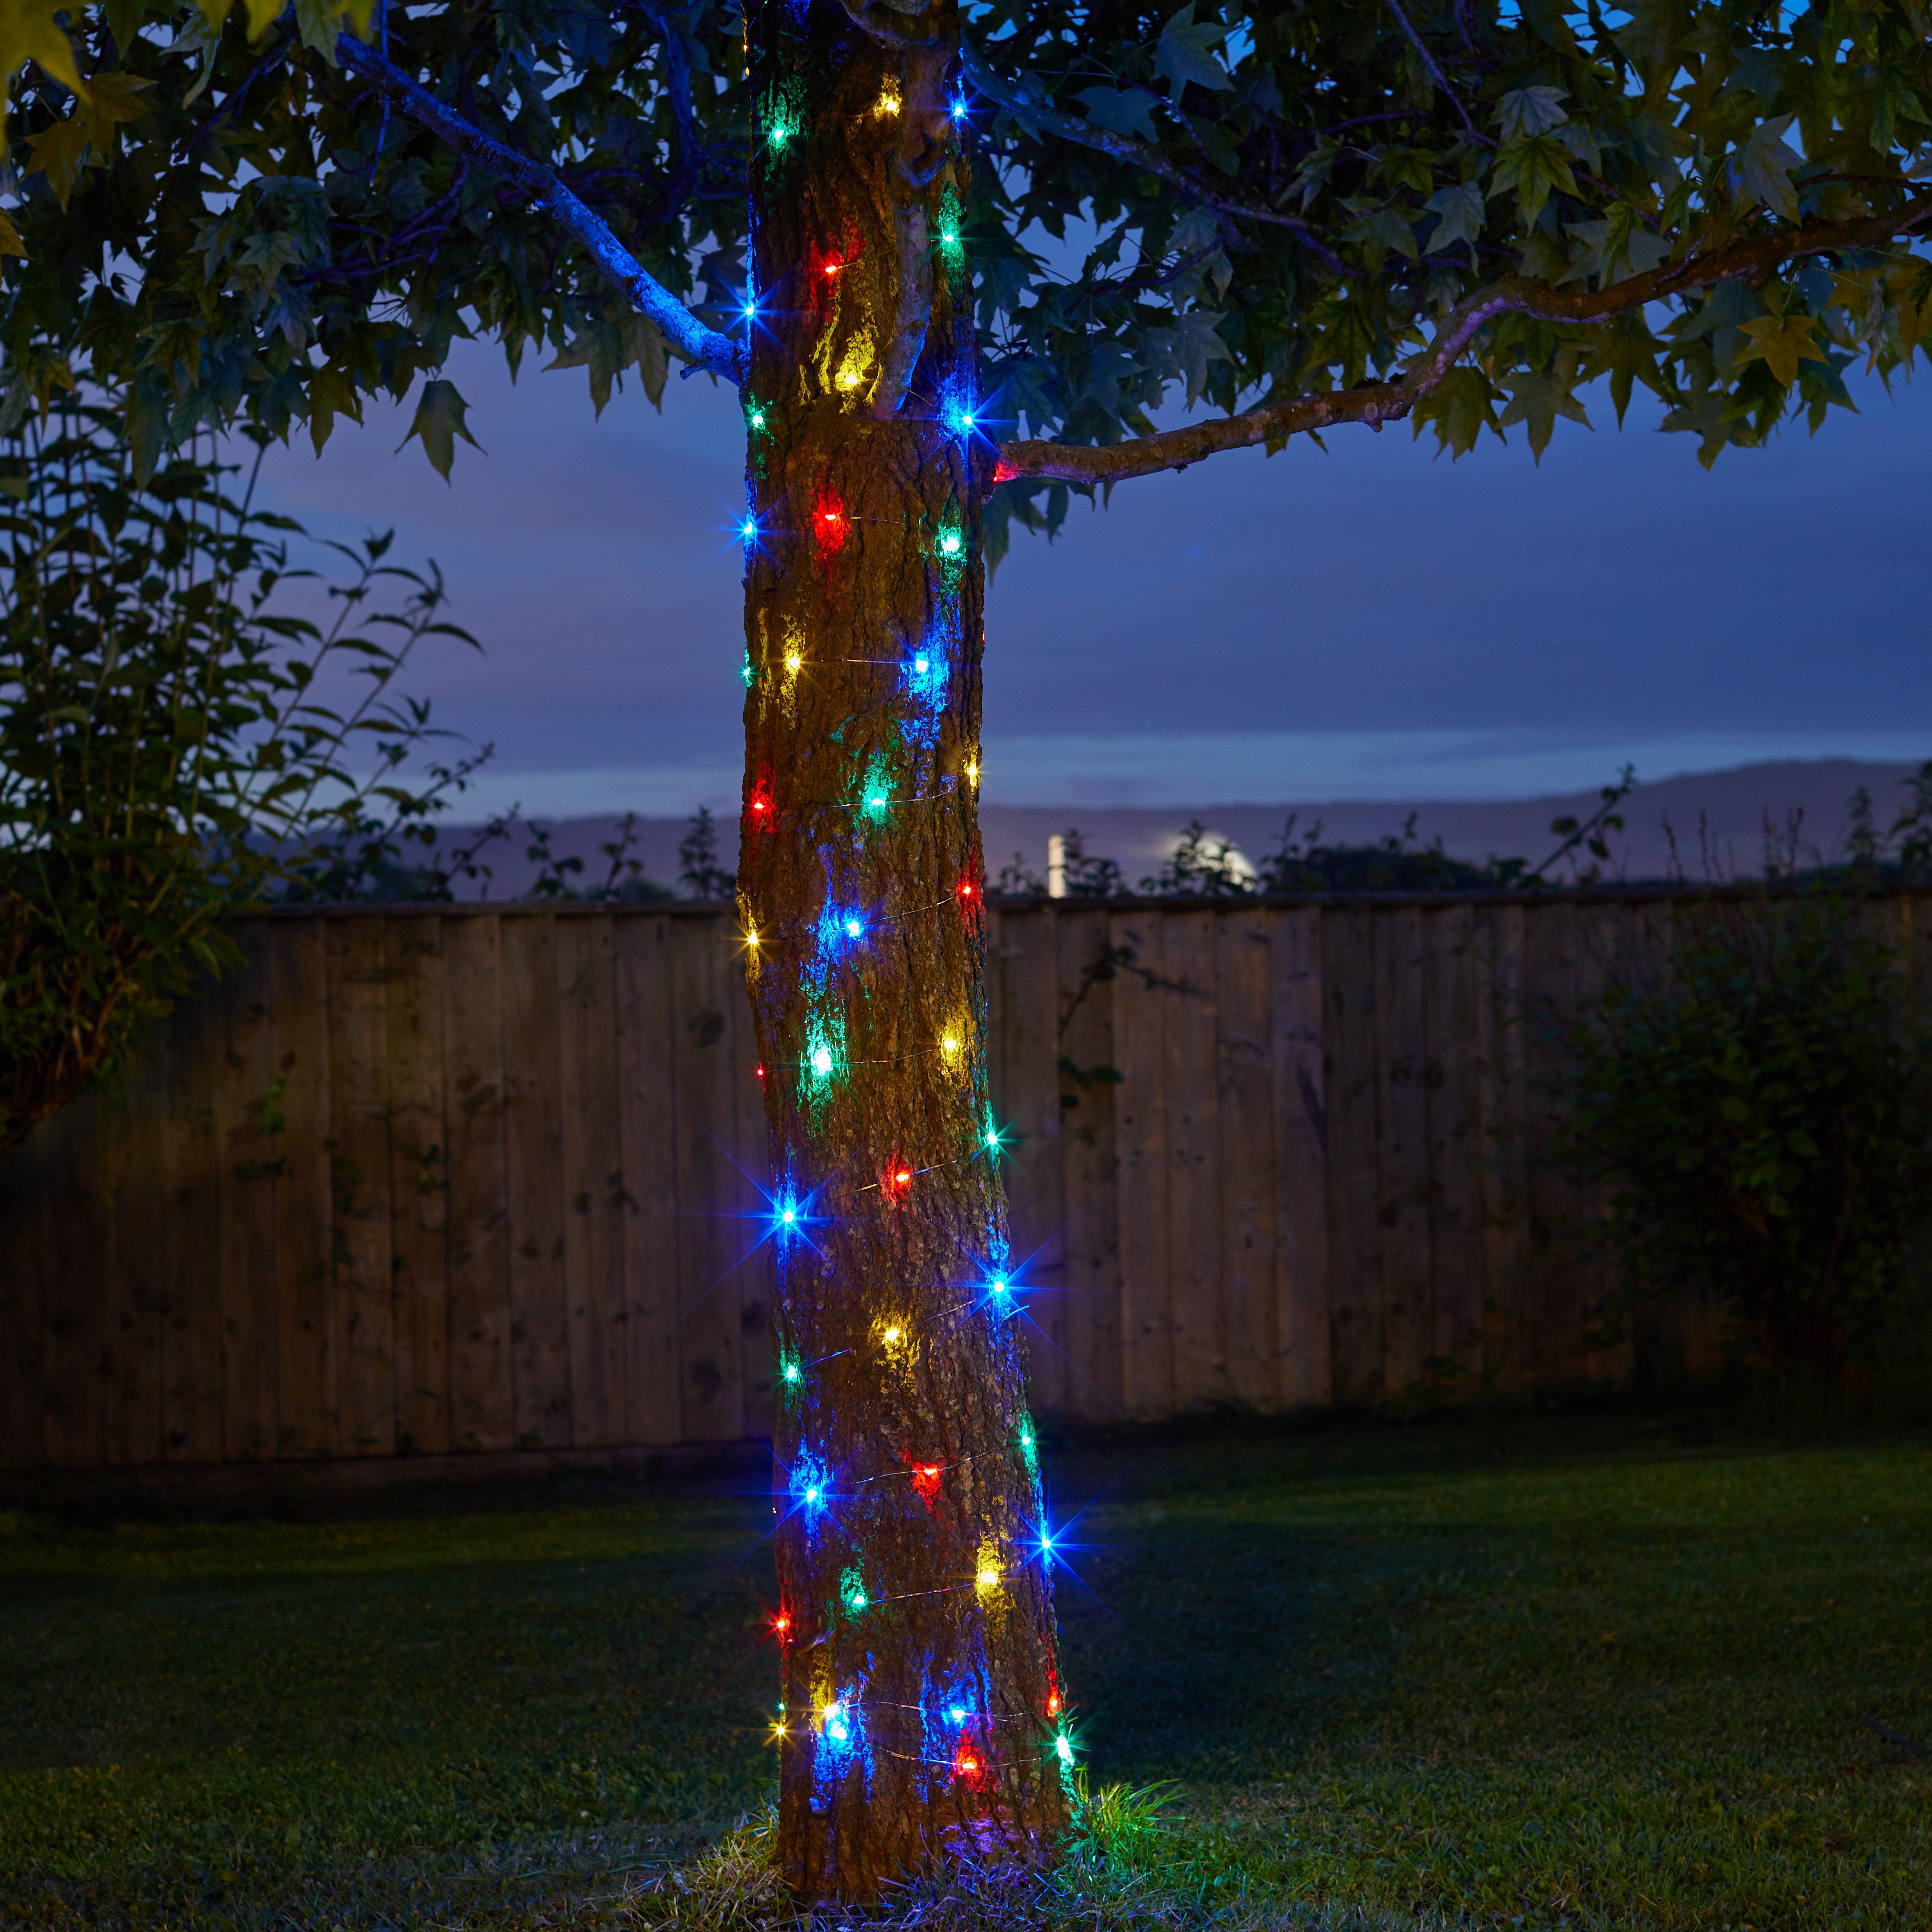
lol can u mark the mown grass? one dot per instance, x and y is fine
(1519, 1674)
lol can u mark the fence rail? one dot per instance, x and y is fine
(431, 1181)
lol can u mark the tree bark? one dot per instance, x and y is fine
(921, 1706)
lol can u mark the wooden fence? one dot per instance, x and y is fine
(432, 1181)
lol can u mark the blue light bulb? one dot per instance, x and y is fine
(957, 1716)
(750, 531)
(854, 927)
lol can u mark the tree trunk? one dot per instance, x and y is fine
(921, 1707)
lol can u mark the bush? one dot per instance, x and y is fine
(165, 759)
(1764, 1124)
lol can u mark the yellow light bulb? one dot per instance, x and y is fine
(793, 660)
(949, 1047)
(889, 100)
(973, 771)
(850, 378)
(893, 1336)
(989, 1577)
(751, 936)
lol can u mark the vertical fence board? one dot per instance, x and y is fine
(533, 1133)
(191, 1335)
(246, 1149)
(419, 1177)
(593, 1179)
(1350, 1085)
(1402, 1147)
(363, 1333)
(1502, 1087)
(482, 1382)
(71, 1250)
(304, 1344)
(646, 1123)
(1451, 992)
(1244, 1168)
(1146, 1352)
(1026, 1100)
(1302, 1322)
(133, 1183)
(712, 1241)
(1084, 1023)
(26, 1270)
(1556, 1203)
(1606, 1357)
(413, 1180)
(1194, 1248)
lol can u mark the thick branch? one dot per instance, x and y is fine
(876, 21)
(690, 337)
(1123, 147)
(1377, 403)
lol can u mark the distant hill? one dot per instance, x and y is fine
(1719, 818)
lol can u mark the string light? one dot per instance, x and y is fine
(757, 418)
(793, 661)
(950, 543)
(972, 771)
(821, 1062)
(793, 1373)
(949, 1046)
(751, 940)
(889, 99)
(1063, 1747)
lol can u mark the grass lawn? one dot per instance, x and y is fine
(1524, 1674)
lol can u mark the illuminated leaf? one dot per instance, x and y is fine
(1782, 342)
(28, 31)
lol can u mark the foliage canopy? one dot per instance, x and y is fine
(1308, 213)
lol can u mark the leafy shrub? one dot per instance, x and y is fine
(1764, 1123)
(165, 757)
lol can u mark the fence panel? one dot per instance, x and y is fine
(423, 1182)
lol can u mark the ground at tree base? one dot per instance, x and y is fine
(1614, 1673)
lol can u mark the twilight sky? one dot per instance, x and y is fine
(1368, 623)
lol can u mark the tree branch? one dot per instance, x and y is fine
(704, 347)
(1440, 78)
(1125, 147)
(1377, 403)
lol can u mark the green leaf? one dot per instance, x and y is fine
(1120, 110)
(1762, 168)
(1538, 401)
(1534, 168)
(1781, 342)
(439, 420)
(1185, 52)
(1461, 210)
(1529, 111)
(57, 151)
(1460, 408)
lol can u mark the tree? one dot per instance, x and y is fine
(1300, 215)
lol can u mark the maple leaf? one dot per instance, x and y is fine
(29, 31)
(1781, 342)
(440, 411)
(1538, 401)
(1185, 52)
